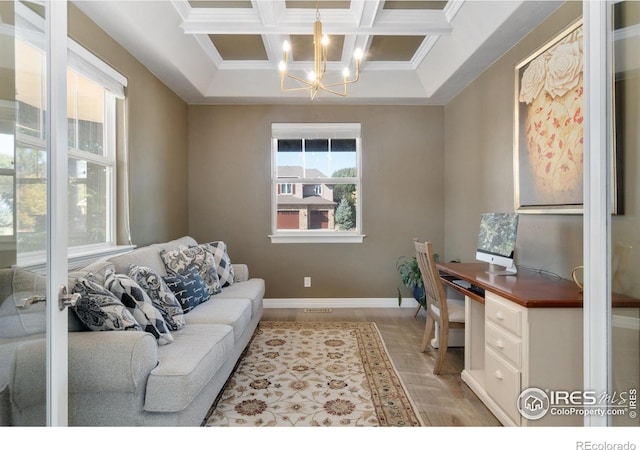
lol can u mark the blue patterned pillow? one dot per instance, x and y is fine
(188, 287)
(161, 296)
(100, 310)
(223, 262)
(136, 300)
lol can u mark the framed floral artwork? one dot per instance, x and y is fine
(548, 131)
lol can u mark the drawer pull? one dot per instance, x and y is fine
(499, 315)
(500, 344)
(499, 374)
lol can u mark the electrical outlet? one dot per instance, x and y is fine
(307, 281)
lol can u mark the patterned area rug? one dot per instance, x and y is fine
(314, 374)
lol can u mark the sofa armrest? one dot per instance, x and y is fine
(240, 272)
(110, 361)
(103, 361)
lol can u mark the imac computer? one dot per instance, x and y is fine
(497, 242)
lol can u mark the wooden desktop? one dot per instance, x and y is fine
(521, 331)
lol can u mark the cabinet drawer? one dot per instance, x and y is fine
(504, 344)
(502, 382)
(504, 313)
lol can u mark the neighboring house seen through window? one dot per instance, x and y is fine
(316, 182)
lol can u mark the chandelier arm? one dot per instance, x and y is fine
(345, 82)
(295, 89)
(331, 91)
(301, 80)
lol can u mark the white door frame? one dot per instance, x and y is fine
(597, 204)
(57, 320)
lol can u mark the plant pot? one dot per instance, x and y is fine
(418, 294)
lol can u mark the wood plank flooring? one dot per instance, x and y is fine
(442, 400)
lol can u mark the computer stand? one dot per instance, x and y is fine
(513, 270)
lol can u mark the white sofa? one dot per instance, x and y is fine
(124, 378)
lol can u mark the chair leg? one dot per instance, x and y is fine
(428, 329)
(417, 310)
(444, 344)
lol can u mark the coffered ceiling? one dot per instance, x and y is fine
(226, 51)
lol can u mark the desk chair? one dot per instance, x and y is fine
(447, 313)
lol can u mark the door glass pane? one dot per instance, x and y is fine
(625, 230)
(31, 199)
(22, 215)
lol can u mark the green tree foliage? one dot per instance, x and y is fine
(344, 216)
(347, 191)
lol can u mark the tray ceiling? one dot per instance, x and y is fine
(221, 51)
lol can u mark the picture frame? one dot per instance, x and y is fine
(548, 126)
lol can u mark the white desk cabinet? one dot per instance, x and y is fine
(524, 332)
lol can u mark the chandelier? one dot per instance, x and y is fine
(315, 78)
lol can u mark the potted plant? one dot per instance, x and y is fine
(412, 278)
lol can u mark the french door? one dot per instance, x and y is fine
(33, 213)
(611, 254)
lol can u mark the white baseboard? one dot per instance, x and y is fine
(338, 303)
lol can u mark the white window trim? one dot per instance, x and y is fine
(313, 131)
(77, 257)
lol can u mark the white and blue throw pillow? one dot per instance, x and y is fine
(222, 262)
(161, 296)
(136, 300)
(188, 287)
(100, 310)
(200, 257)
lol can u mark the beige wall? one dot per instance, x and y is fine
(479, 164)
(157, 139)
(402, 195)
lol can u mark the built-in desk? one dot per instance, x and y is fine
(521, 331)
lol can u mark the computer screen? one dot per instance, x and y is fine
(497, 241)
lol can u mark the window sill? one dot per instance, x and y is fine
(307, 238)
(77, 257)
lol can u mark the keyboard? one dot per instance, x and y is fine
(462, 283)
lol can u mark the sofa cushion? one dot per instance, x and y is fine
(185, 241)
(144, 256)
(235, 312)
(201, 256)
(252, 289)
(188, 287)
(161, 296)
(99, 309)
(96, 270)
(186, 366)
(223, 262)
(140, 305)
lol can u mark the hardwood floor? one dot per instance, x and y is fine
(442, 400)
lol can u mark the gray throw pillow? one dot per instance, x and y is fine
(201, 257)
(100, 310)
(161, 296)
(136, 300)
(223, 262)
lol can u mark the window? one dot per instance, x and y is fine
(316, 183)
(92, 90)
(285, 189)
